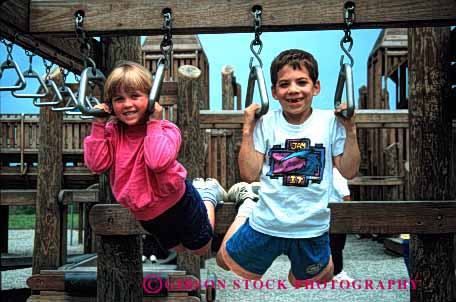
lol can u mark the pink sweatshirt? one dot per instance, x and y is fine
(145, 175)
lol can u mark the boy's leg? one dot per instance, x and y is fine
(337, 243)
(245, 200)
(310, 259)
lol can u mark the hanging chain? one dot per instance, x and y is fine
(83, 39)
(166, 45)
(64, 73)
(48, 68)
(9, 49)
(349, 17)
(30, 55)
(256, 41)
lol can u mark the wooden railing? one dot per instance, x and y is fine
(20, 136)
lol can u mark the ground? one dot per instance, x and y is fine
(376, 272)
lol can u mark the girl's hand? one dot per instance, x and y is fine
(348, 123)
(105, 108)
(249, 118)
(158, 112)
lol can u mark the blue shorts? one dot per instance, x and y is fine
(186, 222)
(254, 252)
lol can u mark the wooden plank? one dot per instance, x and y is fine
(62, 51)
(382, 217)
(218, 16)
(379, 117)
(78, 196)
(223, 171)
(55, 280)
(17, 197)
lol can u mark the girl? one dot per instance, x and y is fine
(141, 150)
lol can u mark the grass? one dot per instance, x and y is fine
(27, 221)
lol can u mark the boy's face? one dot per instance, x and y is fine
(294, 90)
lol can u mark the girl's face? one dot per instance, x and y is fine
(131, 107)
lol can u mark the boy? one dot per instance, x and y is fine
(291, 149)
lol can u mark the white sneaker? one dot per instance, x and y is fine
(199, 183)
(144, 258)
(215, 191)
(239, 192)
(343, 276)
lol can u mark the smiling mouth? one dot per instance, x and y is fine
(130, 113)
(294, 100)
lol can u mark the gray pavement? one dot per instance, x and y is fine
(376, 274)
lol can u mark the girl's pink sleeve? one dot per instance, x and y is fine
(161, 145)
(98, 149)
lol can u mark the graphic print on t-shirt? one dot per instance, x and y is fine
(298, 163)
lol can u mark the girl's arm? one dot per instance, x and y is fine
(98, 150)
(161, 144)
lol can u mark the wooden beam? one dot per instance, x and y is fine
(376, 181)
(382, 217)
(220, 16)
(365, 118)
(58, 280)
(17, 197)
(14, 26)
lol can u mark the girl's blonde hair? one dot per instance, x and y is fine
(127, 76)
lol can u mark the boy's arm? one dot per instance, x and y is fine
(98, 149)
(348, 162)
(250, 161)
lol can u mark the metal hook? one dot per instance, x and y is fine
(256, 53)
(346, 51)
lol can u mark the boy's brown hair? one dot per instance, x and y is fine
(127, 76)
(294, 58)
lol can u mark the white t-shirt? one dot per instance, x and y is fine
(296, 178)
(340, 187)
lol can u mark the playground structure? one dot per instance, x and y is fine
(432, 220)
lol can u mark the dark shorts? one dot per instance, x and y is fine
(254, 252)
(186, 222)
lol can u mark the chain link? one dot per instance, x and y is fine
(82, 39)
(256, 41)
(257, 27)
(64, 73)
(30, 55)
(166, 45)
(48, 68)
(349, 16)
(9, 48)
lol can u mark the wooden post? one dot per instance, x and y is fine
(49, 249)
(430, 127)
(119, 271)
(113, 251)
(227, 88)
(189, 93)
(4, 218)
(391, 169)
(238, 94)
